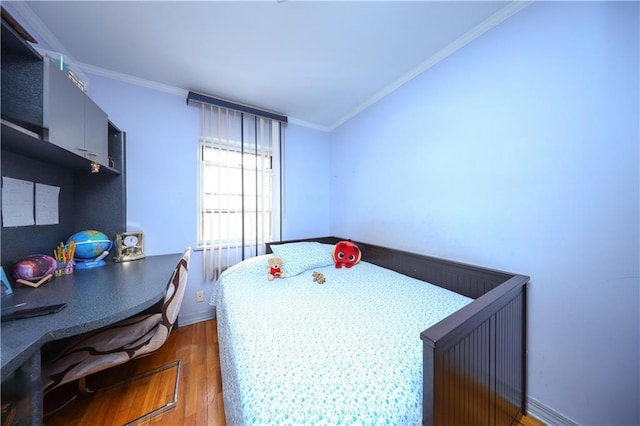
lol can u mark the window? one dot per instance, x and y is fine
(236, 193)
(239, 186)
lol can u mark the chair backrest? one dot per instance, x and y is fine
(170, 308)
(175, 291)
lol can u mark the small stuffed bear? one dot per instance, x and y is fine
(275, 268)
(318, 277)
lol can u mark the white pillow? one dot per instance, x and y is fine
(303, 256)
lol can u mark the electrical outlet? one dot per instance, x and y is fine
(200, 296)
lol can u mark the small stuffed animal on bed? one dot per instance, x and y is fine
(318, 277)
(346, 253)
(275, 268)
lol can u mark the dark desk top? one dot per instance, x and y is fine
(94, 297)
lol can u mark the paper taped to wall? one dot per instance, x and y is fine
(17, 202)
(47, 204)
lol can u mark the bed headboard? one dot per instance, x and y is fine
(468, 280)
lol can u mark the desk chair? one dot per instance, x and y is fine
(122, 342)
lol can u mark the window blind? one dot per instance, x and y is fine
(239, 186)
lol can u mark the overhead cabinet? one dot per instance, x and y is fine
(40, 98)
(71, 119)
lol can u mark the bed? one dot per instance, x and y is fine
(399, 338)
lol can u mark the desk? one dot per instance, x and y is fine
(94, 297)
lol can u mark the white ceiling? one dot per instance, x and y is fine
(318, 62)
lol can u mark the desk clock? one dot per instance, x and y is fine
(128, 247)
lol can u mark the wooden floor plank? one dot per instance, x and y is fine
(200, 395)
(196, 345)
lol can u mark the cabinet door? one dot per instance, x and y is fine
(96, 132)
(64, 110)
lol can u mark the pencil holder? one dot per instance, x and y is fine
(64, 268)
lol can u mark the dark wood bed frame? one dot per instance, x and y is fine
(475, 360)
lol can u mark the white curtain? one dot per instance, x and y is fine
(239, 186)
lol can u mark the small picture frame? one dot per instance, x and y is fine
(6, 285)
(129, 246)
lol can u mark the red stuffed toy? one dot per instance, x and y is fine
(275, 268)
(346, 253)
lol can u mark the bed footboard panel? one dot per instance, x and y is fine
(476, 374)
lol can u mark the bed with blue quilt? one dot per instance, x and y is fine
(372, 344)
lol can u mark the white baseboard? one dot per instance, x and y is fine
(546, 414)
(194, 318)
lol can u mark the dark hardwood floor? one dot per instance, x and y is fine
(200, 392)
(200, 395)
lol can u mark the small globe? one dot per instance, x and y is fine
(89, 244)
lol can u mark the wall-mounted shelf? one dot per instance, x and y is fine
(30, 144)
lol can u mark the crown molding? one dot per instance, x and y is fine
(309, 125)
(27, 14)
(137, 81)
(153, 85)
(489, 23)
(81, 68)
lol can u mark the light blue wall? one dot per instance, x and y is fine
(162, 134)
(306, 183)
(520, 152)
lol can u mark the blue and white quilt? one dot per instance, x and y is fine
(348, 351)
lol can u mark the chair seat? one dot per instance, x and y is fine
(121, 342)
(103, 348)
